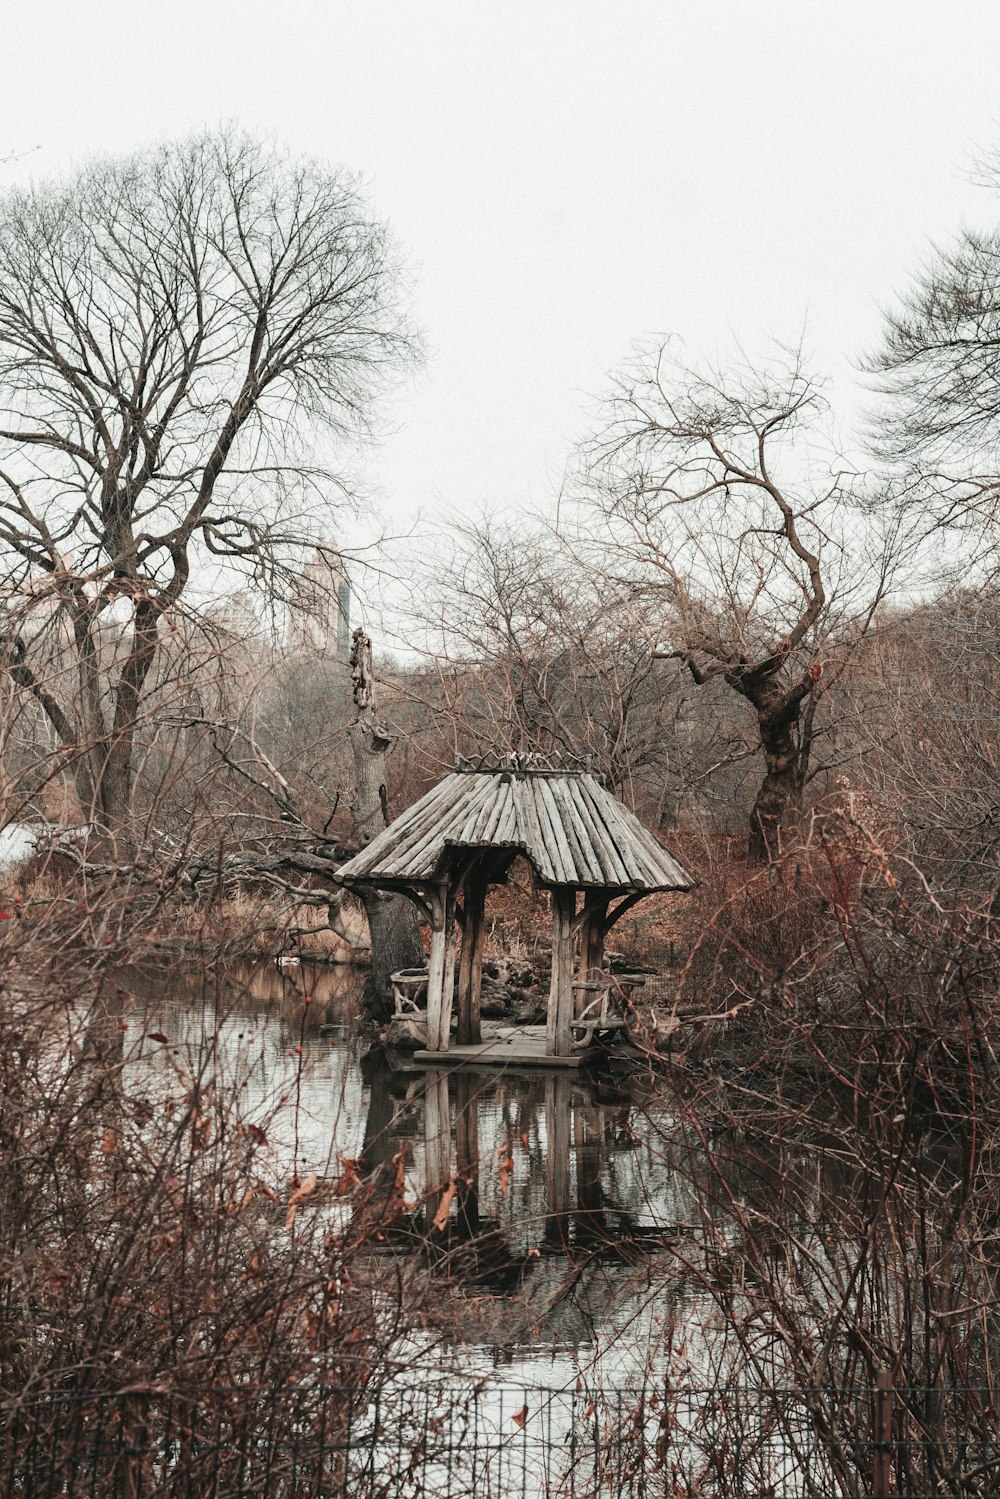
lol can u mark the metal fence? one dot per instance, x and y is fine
(492, 1441)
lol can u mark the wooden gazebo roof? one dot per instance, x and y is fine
(572, 831)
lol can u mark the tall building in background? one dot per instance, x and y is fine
(320, 606)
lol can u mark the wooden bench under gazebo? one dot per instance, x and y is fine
(583, 845)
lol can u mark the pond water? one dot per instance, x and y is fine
(573, 1285)
(547, 1195)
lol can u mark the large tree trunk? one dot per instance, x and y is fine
(392, 919)
(786, 754)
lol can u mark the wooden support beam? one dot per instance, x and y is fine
(437, 1020)
(448, 980)
(558, 1031)
(592, 941)
(624, 905)
(470, 973)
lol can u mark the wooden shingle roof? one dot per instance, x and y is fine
(571, 830)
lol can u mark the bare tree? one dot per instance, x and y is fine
(184, 336)
(938, 373)
(707, 511)
(533, 651)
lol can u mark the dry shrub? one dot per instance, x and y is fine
(150, 1239)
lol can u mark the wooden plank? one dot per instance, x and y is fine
(579, 844)
(423, 854)
(475, 805)
(593, 793)
(436, 970)
(548, 813)
(592, 940)
(502, 801)
(445, 824)
(651, 864)
(529, 833)
(510, 1046)
(485, 812)
(507, 830)
(558, 1032)
(609, 862)
(403, 859)
(547, 837)
(448, 981)
(488, 1054)
(584, 831)
(396, 836)
(470, 976)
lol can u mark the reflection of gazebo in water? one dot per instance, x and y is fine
(588, 850)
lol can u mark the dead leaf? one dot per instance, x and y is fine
(349, 1176)
(506, 1168)
(110, 1142)
(520, 1417)
(301, 1192)
(444, 1208)
(158, 1036)
(256, 1134)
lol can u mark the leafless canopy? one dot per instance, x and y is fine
(183, 335)
(937, 373)
(705, 498)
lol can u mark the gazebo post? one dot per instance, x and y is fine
(440, 967)
(558, 1032)
(592, 940)
(448, 986)
(470, 972)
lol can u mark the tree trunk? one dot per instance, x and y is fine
(779, 798)
(392, 919)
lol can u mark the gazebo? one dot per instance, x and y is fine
(583, 845)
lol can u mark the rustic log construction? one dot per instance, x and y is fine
(583, 845)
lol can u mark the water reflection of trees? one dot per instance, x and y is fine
(522, 1196)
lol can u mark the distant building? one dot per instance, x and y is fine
(320, 606)
(235, 614)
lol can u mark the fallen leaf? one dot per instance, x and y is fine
(303, 1189)
(157, 1036)
(349, 1176)
(521, 1416)
(109, 1142)
(256, 1134)
(301, 1192)
(444, 1208)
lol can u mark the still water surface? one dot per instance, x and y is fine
(564, 1186)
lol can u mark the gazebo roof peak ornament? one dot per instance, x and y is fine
(526, 762)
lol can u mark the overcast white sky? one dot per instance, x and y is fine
(565, 177)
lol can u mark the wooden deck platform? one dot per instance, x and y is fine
(501, 1046)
